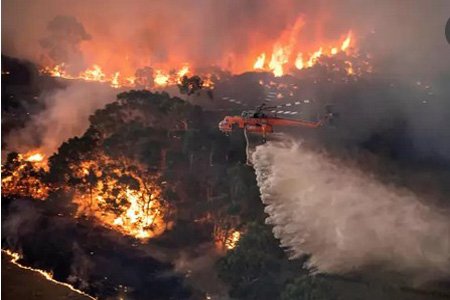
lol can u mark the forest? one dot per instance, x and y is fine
(150, 178)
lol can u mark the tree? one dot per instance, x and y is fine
(308, 287)
(190, 85)
(252, 269)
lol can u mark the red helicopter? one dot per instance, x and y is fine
(262, 121)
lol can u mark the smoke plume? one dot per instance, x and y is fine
(345, 219)
(66, 115)
(62, 44)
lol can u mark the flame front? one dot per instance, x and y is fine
(282, 52)
(160, 77)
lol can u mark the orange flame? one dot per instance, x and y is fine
(115, 80)
(259, 63)
(118, 193)
(161, 79)
(93, 74)
(299, 64)
(226, 239)
(280, 57)
(36, 157)
(22, 178)
(182, 72)
(232, 240)
(314, 57)
(281, 54)
(136, 210)
(346, 42)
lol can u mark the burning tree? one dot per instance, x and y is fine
(111, 186)
(24, 176)
(120, 194)
(114, 169)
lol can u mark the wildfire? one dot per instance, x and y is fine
(182, 72)
(287, 52)
(208, 81)
(122, 196)
(280, 57)
(345, 43)
(37, 157)
(55, 71)
(15, 257)
(161, 78)
(115, 80)
(282, 54)
(93, 74)
(226, 239)
(22, 174)
(232, 240)
(118, 193)
(314, 57)
(299, 61)
(259, 63)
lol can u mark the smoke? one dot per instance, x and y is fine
(66, 115)
(346, 219)
(18, 221)
(198, 267)
(65, 35)
(408, 35)
(81, 267)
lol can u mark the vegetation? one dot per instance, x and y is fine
(206, 188)
(203, 179)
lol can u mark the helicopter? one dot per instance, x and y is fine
(262, 120)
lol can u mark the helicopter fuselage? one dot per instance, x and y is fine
(262, 124)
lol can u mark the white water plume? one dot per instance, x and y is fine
(346, 219)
